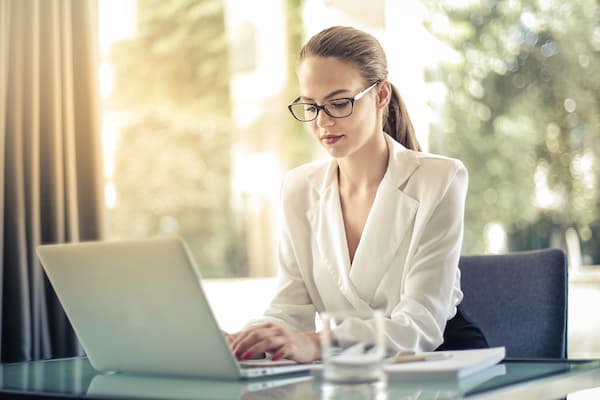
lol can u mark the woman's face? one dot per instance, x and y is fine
(323, 79)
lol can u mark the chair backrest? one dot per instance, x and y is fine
(519, 301)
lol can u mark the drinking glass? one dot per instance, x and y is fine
(352, 346)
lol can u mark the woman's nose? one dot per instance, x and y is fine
(324, 120)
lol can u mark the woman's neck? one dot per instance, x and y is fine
(364, 170)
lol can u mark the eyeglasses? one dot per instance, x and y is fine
(338, 108)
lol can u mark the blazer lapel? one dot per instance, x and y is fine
(330, 237)
(391, 216)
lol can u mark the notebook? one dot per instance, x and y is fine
(454, 365)
(139, 307)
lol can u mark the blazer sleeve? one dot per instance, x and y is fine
(292, 305)
(430, 291)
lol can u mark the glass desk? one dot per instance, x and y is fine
(512, 379)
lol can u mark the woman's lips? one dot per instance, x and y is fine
(330, 139)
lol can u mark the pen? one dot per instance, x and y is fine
(405, 358)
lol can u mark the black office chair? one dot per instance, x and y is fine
(519, 301)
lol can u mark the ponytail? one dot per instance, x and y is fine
(397, 123)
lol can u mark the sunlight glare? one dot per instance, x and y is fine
(495, 238)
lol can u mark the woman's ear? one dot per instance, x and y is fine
(384, 94)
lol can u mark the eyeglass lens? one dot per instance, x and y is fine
(337, 109)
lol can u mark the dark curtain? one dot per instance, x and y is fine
(50, 160)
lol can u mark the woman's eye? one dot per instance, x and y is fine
(339, 104)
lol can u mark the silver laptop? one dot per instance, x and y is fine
(139, 307)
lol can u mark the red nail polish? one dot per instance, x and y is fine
(275, 357)
(246, 355)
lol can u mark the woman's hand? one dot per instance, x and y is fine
(301, 347)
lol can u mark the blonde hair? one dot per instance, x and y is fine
(364, 51)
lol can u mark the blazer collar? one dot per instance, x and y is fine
(389, 219)
(402, 163)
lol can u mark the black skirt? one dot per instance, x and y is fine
(462, 334)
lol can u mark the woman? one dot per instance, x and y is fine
(379, 226)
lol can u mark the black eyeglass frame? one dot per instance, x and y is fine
(324, 105)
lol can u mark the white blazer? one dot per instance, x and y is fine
(406, 262)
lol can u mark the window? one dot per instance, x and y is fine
(197, 135)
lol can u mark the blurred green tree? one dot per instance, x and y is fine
(299, 146)
(172, 159)
(523, 113)
(178, 60)
(274, 128)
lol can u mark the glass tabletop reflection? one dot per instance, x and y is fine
(75, 377)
